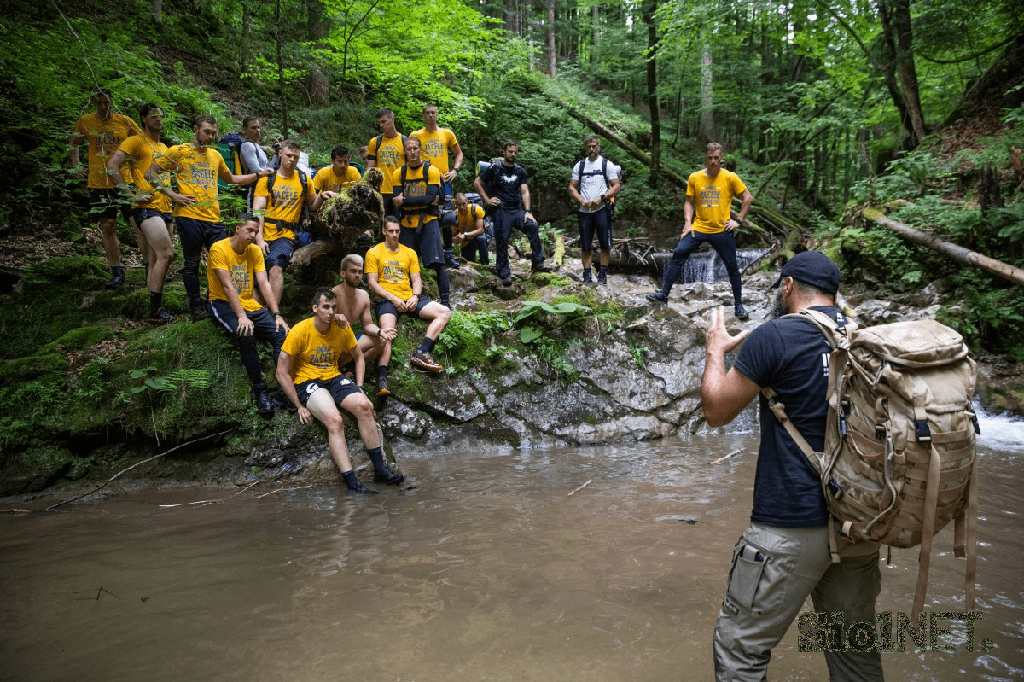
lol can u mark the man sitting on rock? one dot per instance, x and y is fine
(393, 275)
(308, 371)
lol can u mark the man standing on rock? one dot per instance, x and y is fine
(387, 152)
(235, 267)
(437, 143)
(353, 303)
(707, 218)
(594, 183)
(196, 166)
(393, 275)
(784, 555)
(104, 131)
(308, 371)
(503, 188)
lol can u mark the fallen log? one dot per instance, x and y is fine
(957, 253)
(302, 256)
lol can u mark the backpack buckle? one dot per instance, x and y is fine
(879, 431)
(834, 488)
(842, 424)
(977, 426)
(924, 434)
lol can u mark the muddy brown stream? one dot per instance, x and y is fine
(550, 565)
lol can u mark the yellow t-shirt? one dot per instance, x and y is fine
(327, 179)
(712, 198)
(241, 266)
(467, 219)
(141, 152)
(393, 269)
(286, 206)
(104, 139)
(415, 187)
(316, 355)
(436, 146)
(388, 158)
(197, 173)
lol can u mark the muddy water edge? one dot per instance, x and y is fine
(566, 564)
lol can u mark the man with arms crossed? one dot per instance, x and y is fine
(784, 555)
(234, 268)
(437, 143)
(510, 200)
(709, 194)
(285, 197)
(196, 166)
(308, 373)
(105, 131)
(592, 191)
(152, 212)
(393, 275)
(353, 304)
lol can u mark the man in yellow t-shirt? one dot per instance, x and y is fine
(308, 371)
(437, 143)
(152, 212)
(468, 230)
(195, 167)
(233, 270)
(393, 276)
(336, 177)
(283, 195)
(105, 131)
(707, 218)
(387, 152)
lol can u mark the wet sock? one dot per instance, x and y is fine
(426, 345)
(377, 457)
(156, 299)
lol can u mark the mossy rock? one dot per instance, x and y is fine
(80, 339)
(84, 271)
(28, 368)
(38, 467)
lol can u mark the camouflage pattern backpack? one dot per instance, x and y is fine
(899, 459)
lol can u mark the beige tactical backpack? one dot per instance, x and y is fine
(899, 462)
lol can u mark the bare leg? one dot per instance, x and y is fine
(111, 246)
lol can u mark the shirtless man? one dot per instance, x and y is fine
(353, 306)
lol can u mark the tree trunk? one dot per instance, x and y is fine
(319, 29)
(899, 40)
(957, 253)
(552, 49)
(595, 19)
(243, 39)
(707, 93)
(158, 15)
(650, 8)
(282, 92)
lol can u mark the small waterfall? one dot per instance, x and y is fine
(704, 265)
(999, 432)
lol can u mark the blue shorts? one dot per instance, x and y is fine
(425, 240)
(279, 252)
(383, 306)
(598, 223)
(141, 215)
(340, 387)
(105, 204)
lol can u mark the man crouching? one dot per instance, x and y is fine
(308, 371)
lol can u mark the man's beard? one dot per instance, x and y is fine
(779, 307)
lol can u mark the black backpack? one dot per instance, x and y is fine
(430, 210)
(578, 171)
(272, 178)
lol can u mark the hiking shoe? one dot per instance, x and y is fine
(540, 267)
(506, 282)
(658, 296)
(602, 277)
(450, 262)
(587, 279)
(160, 318)
(387, 476)
(264, 405)
(741, 312)
(200, 312)
(382, 387)
(357, 486)
(425, 361)
(116, 277)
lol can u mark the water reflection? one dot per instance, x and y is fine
(487, 569)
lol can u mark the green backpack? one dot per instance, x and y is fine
(899, 457)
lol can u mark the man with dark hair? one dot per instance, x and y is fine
(308, 371)
(417, 197)
(254, 156)
(282, 195)
(387, 152)
(437, 143)
(152, 212)
(593, 184)
(235, 268)
(353, 303)
(503, 188)
(195, 167)
(104, 131)
(393, 275)
(784, 555)
(337, 176)
(469, 231)
(709, 194)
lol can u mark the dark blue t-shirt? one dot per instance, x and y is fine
(504, 182)
(790, 355)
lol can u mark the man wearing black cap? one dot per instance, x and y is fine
(707, 217)
(784, 554)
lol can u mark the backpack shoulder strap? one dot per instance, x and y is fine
(604, 170)
(271, 179)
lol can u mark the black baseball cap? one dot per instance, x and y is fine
(814, 268)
